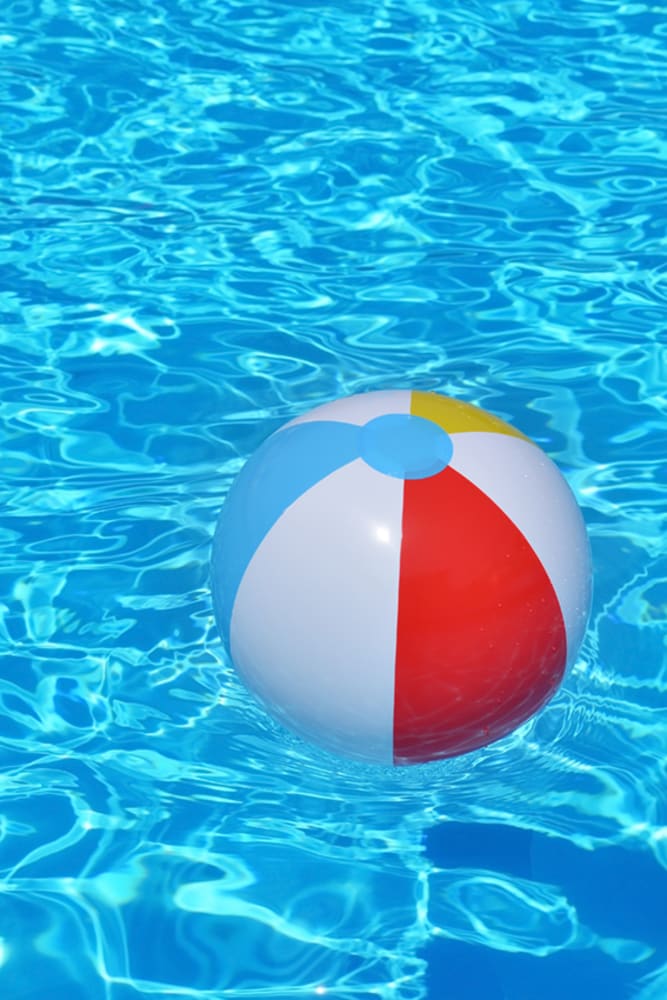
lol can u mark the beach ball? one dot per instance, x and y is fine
(400, 577)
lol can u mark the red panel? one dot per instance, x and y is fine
(481, 641)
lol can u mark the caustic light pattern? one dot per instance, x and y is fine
(401, 577)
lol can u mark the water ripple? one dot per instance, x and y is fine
(213, 217)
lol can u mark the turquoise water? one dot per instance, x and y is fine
(214, 217)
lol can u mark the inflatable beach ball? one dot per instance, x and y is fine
(401, 577)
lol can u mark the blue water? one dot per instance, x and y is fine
(215, 216)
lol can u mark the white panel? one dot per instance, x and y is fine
(360, 409)
(314, 624)
(529, 488)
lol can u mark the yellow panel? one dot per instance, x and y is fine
(455, 416)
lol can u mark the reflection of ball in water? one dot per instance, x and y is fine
(401, 577)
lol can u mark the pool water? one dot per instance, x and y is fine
(214, 217)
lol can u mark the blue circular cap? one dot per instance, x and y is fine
(405, 446)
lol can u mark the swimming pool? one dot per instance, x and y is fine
(214, 217)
